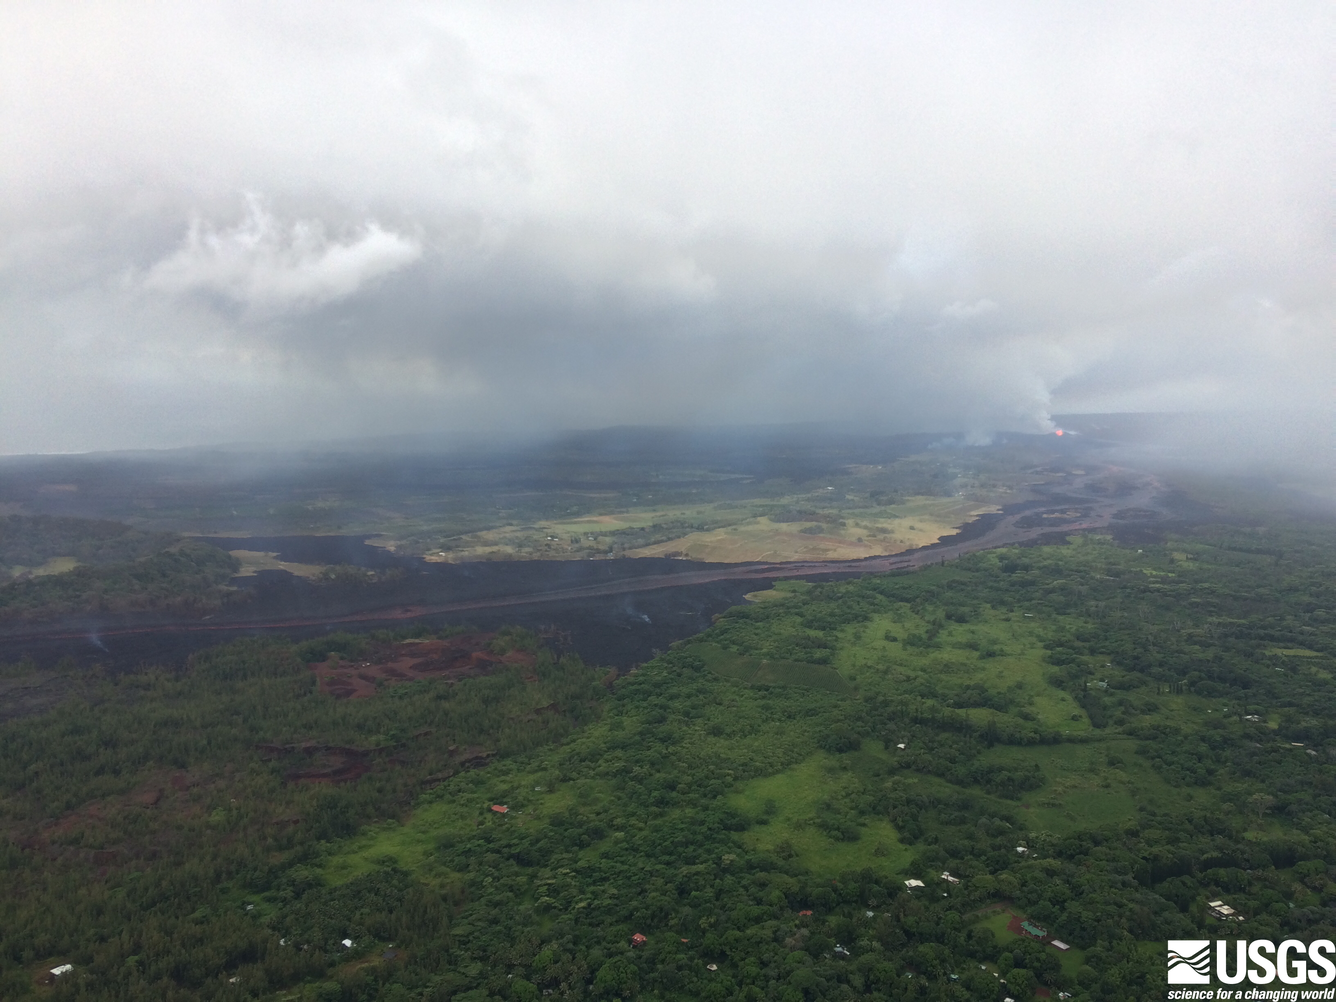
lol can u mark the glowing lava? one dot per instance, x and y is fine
(1058, 432)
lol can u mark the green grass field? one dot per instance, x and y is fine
(759, 671)
(793, 805)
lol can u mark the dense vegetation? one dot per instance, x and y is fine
(1152, 723)
(52, 566)
(30, 541)
(188, 577)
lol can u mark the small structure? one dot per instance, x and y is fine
(1222, 911)
(1058, 944)
(61, 969)
(901, 746)
(712, 967)
(841, 951)
(347, 944)
(805, 911)
(1253, 718)
(1022, 850)
(500, 808)
(638, 939)
(911, 883)
(946, 875)
(1032, 929)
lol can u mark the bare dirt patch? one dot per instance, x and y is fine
(468, 655)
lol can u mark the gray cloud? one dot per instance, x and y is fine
(232, 221)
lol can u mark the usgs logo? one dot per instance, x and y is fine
(1260, 961)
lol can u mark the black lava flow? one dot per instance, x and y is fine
(618, 630)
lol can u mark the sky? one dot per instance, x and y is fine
(259, 222)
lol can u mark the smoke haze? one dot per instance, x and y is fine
(244, 221)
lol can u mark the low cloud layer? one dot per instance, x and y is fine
(225, 222)
(271, 268)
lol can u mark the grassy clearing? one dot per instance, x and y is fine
(918, 522)
(530, 796)
(796, 805)
(758, 671)
(729, 532)
(1104, 782)
(996, 653)
(1072, 960)
(254, 561)
(55, 565)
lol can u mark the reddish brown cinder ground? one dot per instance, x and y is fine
(465, 656)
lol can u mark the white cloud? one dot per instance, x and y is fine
(969, 311)
(266, 266)
(556, 214)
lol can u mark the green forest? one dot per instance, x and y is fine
(1098, 738)
(52, 566)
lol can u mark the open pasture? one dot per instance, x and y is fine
(759, 671)
(254, 561)
(803, 813)
(850, 536)
(991, 662)
(797, 527)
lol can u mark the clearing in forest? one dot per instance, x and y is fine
(467, 655)
(759, 671)
(806, 813)
(784, 529)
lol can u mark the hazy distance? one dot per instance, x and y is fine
(235, 222)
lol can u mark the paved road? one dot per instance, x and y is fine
(1069, 495)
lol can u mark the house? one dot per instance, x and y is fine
(62, 969)
(638, 939)
(1022, 850)
(912, 883)
(347, 944)
(712, 967)
(1058, 944)
(901, 746)
(946, 875)
(500, 808)
(805, 911)
(1222, 911)
(1253, 718)
(840, 951)
(1033, 929)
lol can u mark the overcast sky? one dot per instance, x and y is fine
(282, 222)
